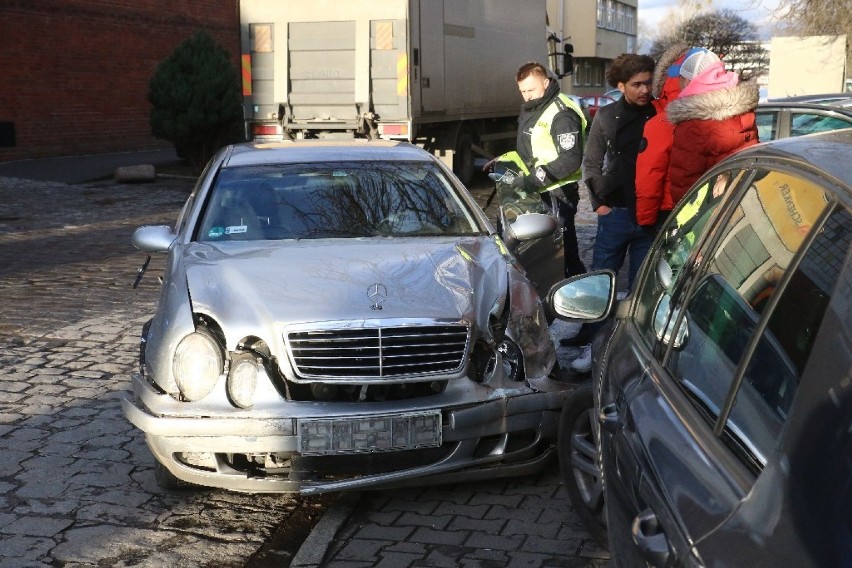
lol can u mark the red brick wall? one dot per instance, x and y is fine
(75, 73)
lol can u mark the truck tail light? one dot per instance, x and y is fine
(393, 129)
(265, 130)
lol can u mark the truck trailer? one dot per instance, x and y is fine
(437, 73)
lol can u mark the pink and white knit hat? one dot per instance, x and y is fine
(696, 63)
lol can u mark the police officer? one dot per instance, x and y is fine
(551, 137)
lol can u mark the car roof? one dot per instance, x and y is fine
(295, 151)
(841, 104)
(844, 109)
(829, 151)
(826, 98)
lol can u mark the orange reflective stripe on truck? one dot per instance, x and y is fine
(246, 70)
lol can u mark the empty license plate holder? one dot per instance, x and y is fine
(365, 434)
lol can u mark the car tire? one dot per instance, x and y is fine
(579, 460)
(167, 480)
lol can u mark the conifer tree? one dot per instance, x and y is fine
(196, 100)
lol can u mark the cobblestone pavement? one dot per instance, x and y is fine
(76, 479)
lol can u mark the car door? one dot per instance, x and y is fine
(671, 477)
(791, 410)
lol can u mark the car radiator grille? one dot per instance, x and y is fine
(378, 352)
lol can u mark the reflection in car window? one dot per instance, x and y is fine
(334, 200)
(756, 246)
(804, 123)
(681, 233)
(783, 350)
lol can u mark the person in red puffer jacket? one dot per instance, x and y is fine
(653, 189)
(713, 117)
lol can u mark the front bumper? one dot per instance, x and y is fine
(260, 452)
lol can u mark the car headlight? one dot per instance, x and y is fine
(197, 365)
(242, 380)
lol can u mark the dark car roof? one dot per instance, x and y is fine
(829, 151)
(294, 151)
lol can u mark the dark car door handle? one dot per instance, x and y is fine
(608, 417)
(650, 538)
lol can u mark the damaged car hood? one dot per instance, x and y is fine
(261, 284)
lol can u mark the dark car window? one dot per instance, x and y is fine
(767, 125)
(809, 123)
(333, 200)
(784, 348)
(683, 231)
(754, 249)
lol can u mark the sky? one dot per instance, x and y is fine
(652, 13)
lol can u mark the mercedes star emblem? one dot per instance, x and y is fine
(377, 293)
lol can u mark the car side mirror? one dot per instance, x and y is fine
(584, 298)
(153, 238)
(528, 226)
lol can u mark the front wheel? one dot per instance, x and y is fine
(579, 460)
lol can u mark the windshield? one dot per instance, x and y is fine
(333, 200)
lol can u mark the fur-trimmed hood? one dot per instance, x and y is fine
(666, 60)
(715, 105)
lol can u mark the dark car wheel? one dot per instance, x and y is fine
(579, 460)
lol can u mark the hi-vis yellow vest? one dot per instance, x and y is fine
(543, 148)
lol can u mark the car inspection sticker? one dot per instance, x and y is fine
(235, 229)
(215, 232)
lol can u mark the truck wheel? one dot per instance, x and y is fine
(463, 157)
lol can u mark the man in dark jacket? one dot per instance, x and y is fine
(609, 170)
(551, 133)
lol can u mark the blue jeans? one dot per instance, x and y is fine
(617, 235)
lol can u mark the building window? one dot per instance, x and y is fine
(614, 15)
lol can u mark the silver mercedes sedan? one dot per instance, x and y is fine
(340, 315)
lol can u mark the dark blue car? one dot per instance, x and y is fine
(716, 428)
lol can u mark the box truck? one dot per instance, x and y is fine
(438, 73)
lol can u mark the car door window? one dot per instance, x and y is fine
(767, 128)
(809, 123)
(765, 395)
(726, 302)
(682, 233)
